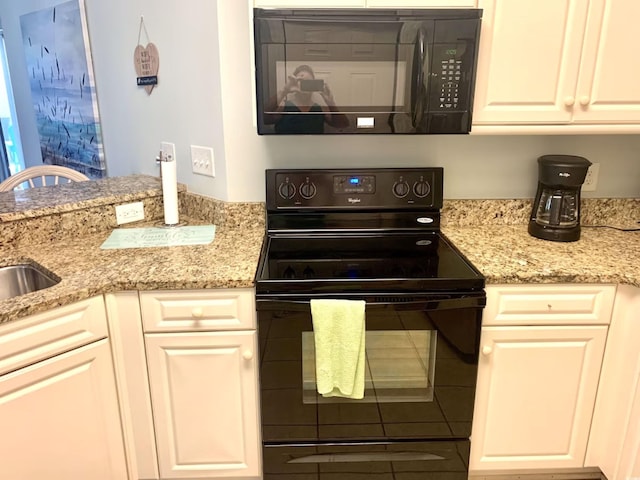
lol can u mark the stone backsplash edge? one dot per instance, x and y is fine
(615, 212)
(622, 213)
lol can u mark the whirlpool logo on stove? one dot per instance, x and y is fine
(353, 201)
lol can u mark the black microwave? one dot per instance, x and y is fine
(365, 71)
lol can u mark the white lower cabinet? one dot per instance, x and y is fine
(202, 373)
(59, 419)
(537, 379)
(614, 442)
(204, 403)
(535, 396)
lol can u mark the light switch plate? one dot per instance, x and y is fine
(202, 161)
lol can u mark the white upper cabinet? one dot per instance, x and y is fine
(364, 3)
(558, 63)
(609, 82)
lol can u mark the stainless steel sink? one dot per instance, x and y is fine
(17, 280)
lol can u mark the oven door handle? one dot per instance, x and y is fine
(422, 305)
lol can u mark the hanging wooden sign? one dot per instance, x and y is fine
(146, 61)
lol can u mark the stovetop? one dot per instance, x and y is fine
(346, 230)
(380, 262)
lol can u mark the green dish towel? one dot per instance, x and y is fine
(339, 331)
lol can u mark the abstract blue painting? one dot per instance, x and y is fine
(58, 55)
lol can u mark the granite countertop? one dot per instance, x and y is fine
(65, 239)
(493, 235)
(85, 270)
(508, 254)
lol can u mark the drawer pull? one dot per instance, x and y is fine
(247, 354)
(197, 312)
(486, 350)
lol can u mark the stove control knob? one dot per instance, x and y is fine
(400, 188)
(287, 190)
(421, 188)
(308, 189)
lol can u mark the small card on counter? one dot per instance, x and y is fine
(160, 237)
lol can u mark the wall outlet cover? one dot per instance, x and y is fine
(591, 180)
(129, 212)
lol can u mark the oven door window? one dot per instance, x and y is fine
(400, 367)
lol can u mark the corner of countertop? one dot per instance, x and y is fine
(69, 197)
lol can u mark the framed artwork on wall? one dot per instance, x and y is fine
(60, 69)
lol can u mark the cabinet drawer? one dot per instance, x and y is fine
(189, 311)
(549, 304)
(44, 335)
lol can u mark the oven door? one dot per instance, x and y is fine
(422, 360)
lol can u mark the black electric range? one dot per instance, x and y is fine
(372, 235)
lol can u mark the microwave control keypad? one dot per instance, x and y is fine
(450, 76)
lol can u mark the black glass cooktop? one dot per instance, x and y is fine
(377, 262)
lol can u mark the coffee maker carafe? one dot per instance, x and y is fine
(556, 208)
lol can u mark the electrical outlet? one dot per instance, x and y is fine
(168, 151)
(591, 180)
(129, 212)
(202, 161)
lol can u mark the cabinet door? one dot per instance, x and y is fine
(528, 61)
(204, 397)
(614, 441)
(535, 396)
(59, 419)
(608, 89)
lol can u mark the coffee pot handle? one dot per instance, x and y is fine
(555, 210)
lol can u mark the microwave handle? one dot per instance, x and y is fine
(420, 86)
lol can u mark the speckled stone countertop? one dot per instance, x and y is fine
(72, 250)
(508, 254)
(493, 235)
(64, 236)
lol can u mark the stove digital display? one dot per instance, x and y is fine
(354, 184)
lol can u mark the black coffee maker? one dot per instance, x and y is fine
(556, 208)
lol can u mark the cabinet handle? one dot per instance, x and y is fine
(486, 350)
(247, 354)
(197, 312)
(569, 101)
(584, 100)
